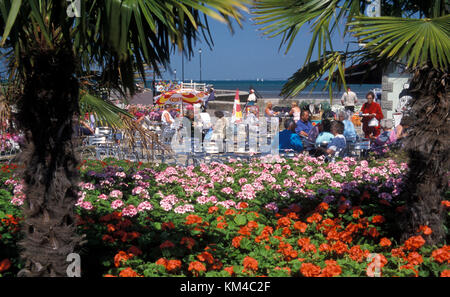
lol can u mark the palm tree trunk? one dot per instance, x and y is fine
(45, 111)
(428, 148)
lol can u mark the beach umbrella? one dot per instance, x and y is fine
(179, 96)
(237, 113)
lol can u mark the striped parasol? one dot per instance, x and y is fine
(178, 96)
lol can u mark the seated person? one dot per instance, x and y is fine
(401, 129)
(338, 143)
(349, 128)
(84, 129)
(288, 139)
(386, 137)
(308, 142)
(303, 125)
(325, 132)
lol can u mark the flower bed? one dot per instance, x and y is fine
(299, 217)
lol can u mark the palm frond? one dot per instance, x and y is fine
(288, 17)
(106, 113)
(414, 40)
(333, 62)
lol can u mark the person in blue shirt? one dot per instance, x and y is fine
(325, 135)
(288, 139)
(349, 128)
(338, 144)
(303, 125)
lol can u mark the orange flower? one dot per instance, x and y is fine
(167, 226)
(414, 242)
(244, 231)
(411, 267)
(284, 268)
(357, 212)
(378, 219)
(109, 275)
(252, 225)
(193, 219)
(446, 203)
(414, 258)
(167, 244)
(309, 248)
(229, 212)
(5, 264)
(373, 232)
(300, 226)
(213, 209)
(108, 238)
(286, 232)
(236, 242)
(217, 265)
(284, 222)
(161, 261)
(173, 265)
(292, 215)
(346, 236)
(425, 229)
(250, 264)
(189, 241)
(206, 257)
(331, 269)
(310, 270)
(315, 217)
(110, 228)
(196, 267)
(445, 273)
(324, 247)
(397, 253)
(229, 270)
(222, 225)
(323, 206)
(128, 272)
(339, 247)
(134, 250)
(242, 204)
(121, 257)
(356, 253)
(303, 241)
(442, 255)
(385, 242)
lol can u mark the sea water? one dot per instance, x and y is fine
(272, 88)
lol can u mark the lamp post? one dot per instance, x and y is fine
(200, 52)
(182, 67)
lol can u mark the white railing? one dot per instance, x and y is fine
(194, 86)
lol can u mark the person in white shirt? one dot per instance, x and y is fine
(349, 100)
(251, 100)
(166, 117)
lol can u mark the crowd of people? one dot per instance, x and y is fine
(329, 137)
(332, 135)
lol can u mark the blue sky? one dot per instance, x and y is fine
(246, 54)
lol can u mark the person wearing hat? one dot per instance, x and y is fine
(211, 97)
(251, 100)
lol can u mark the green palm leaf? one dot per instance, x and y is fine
(333, 62)
(414, 40)
(106, 113)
